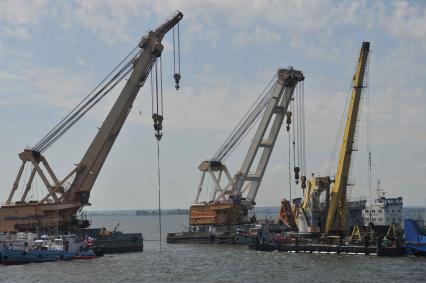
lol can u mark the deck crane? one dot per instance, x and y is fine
(231, 202)
(337, 212)
(67, 196)
(331, 216)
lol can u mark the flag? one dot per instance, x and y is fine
(89, 241)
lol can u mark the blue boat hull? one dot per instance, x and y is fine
(415, 241)
(9, 256)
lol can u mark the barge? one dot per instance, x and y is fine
(230, 234)
(329, 248)
(112, 241)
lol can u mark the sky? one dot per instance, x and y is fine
(52, 53)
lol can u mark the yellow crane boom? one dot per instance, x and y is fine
(337, 213)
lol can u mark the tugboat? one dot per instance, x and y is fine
(105, 241)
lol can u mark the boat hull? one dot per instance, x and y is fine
(9, 256)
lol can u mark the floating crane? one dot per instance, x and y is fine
(231, 202)
(331, 217)
(67, 196)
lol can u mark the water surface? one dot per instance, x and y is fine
(212, 263)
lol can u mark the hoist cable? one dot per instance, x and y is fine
(242, 132)
(178, 38)
(174, 52)
(85, 98)
(289, 164)
(292, 107)
(159, 188)
(339, 132)
(85, 105)
(61, 131)
(152, 94)
(156, 85)
(302, 96)
(161, 85)
(245, 124)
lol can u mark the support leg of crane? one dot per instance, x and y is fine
(28, 186)
(16, 183)
(200, 186)
(44, 179)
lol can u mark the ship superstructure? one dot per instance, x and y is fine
(384, 211)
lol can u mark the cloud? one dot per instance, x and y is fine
(56, 87)
(406, 20)
(109, 19)
(21, 12)
(20, 33)
(279, 169)
(260, 36)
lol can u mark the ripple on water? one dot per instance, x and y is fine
(213, 263)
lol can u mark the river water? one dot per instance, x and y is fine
(212, 263)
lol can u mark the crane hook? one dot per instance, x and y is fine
(296, 174)
(288, 115)
(177, 79)
(158, 125)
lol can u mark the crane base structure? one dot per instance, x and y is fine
(222, 213)
(41, 217)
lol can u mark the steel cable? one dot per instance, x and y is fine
(86, 104)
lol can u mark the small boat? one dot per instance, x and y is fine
(11, 256)
(415, 241)
(46, 249)
(38, 251)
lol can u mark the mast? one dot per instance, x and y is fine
(337, 213)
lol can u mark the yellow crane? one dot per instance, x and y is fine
(337, 211)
